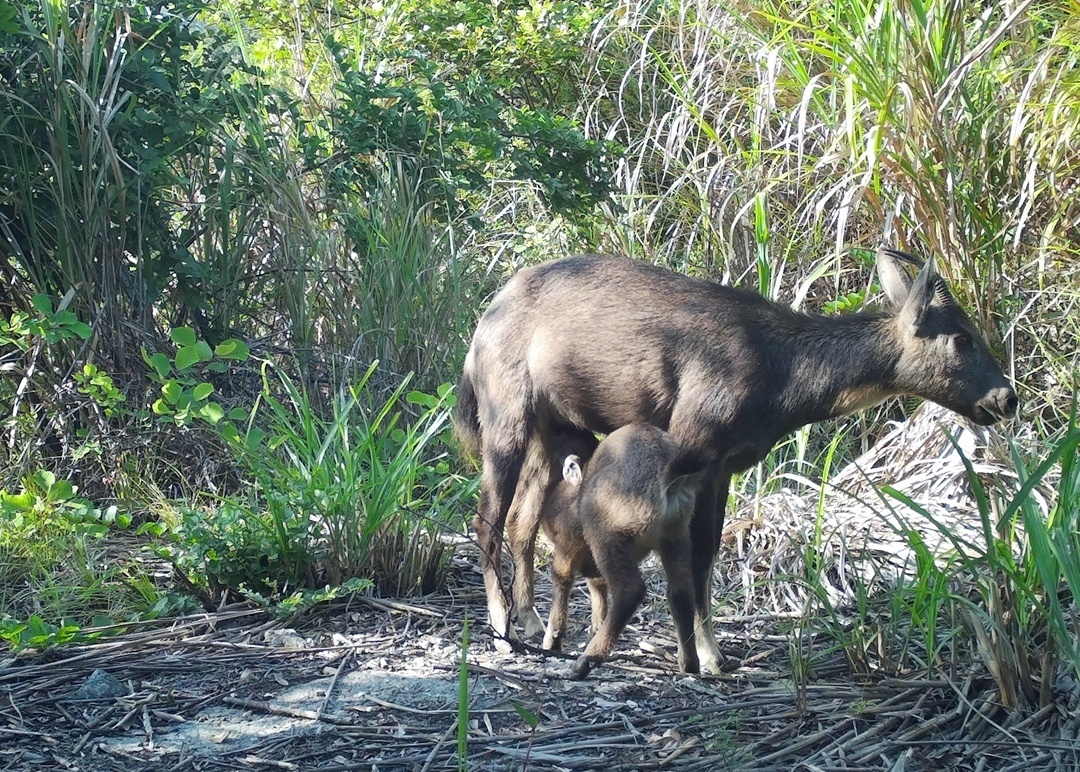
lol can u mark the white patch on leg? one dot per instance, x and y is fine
(710, 660)
(499, 619)
(531, 623)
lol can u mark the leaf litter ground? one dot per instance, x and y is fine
(373, 684)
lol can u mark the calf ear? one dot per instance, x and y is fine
(571, 470)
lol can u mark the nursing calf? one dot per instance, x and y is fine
(592, 343)
(635, 495)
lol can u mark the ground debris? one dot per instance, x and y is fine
(377, 688)
(373, 684)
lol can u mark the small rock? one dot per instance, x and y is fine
(99, 686)
(285, 638)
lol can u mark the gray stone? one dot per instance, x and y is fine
(99, 686)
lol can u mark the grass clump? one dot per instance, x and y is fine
(362, 492)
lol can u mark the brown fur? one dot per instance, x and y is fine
(634, 496)
(589, 344)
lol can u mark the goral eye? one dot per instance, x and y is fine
(962, 340)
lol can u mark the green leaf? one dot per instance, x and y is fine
(61, 490)
(16, 501)
(420, 398)
(228, 431)
(238, 414)
(41, 302)
(172, 391)
(232, 349)
(187, 356)
(8, 25)
(527, 715)
(152, 528)
(183, 336)
(204, 351)
(202, 391)
(254, 438)
(212, 412)
(82, 329)
(161, 365)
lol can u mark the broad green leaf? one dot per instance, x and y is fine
(228, 431)
(161, 365)
(41, 302)
(172, 391)
(61, 490)
(420, 398)
(186, 357)
(183, 336)
(45, 478)
(204, 351)
(254, 438)
(212, 412)
(16, 501)
(202, 391)
(232, 349)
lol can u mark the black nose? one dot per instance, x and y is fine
(1001, 402)
(1011, 404)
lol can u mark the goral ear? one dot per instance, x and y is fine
(921, 295)
(571, 470)
(894, 278)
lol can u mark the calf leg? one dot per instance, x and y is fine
(615, 559)
(543, 469)
(598, 594)
(562, 580)
(675, 556)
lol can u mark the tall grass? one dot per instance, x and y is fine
(66, 194)
(1015, 589)
(763, 137)
(411, 294)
